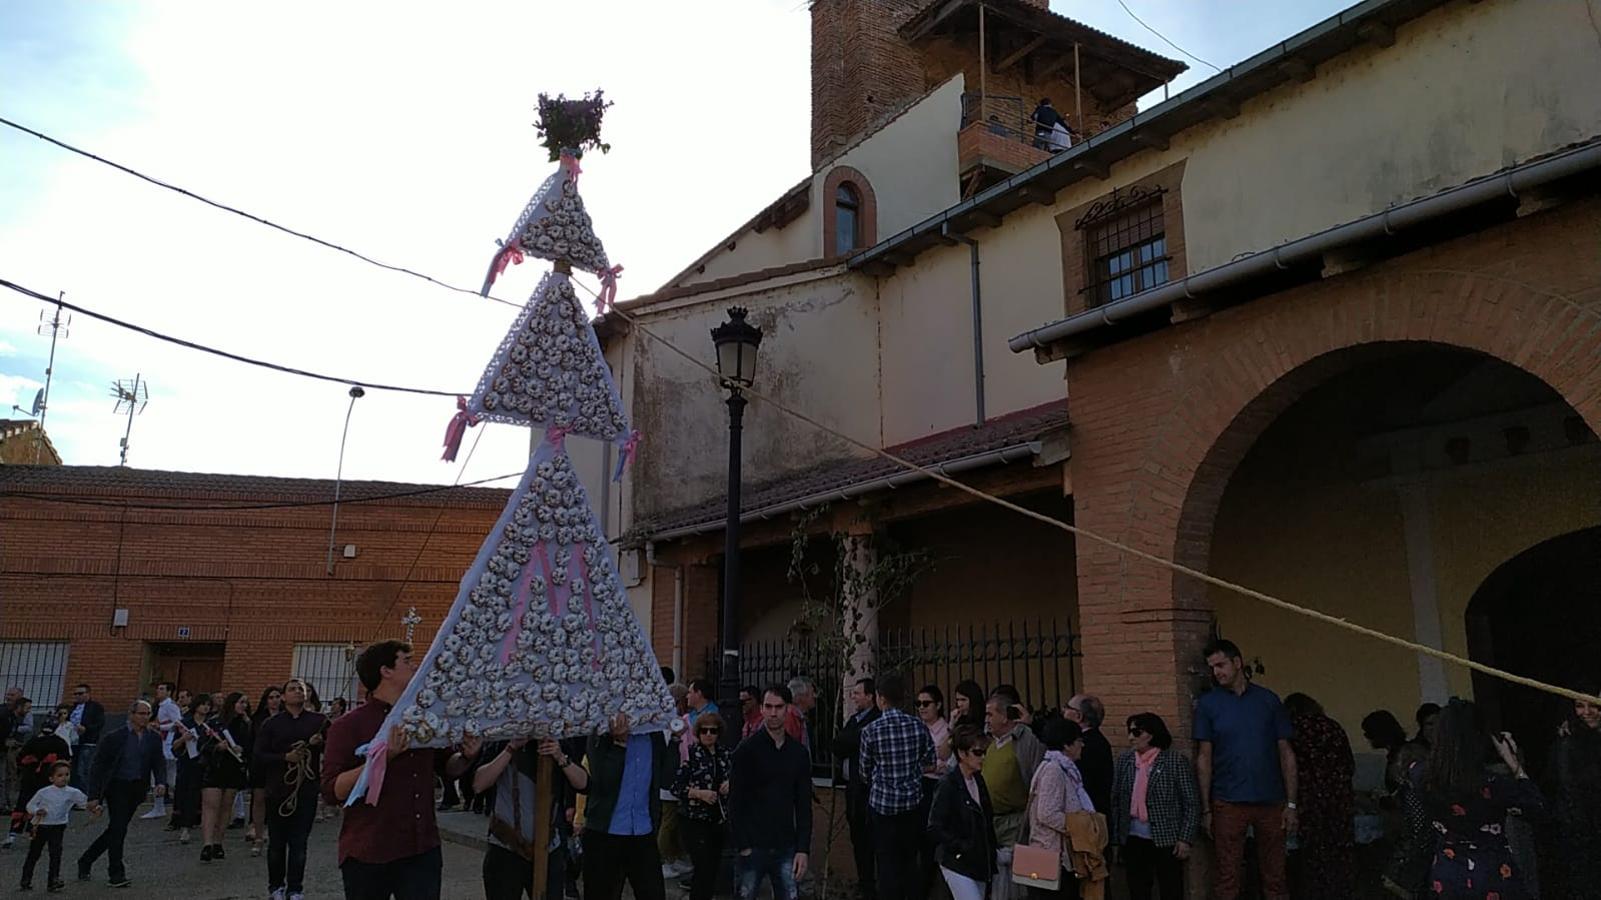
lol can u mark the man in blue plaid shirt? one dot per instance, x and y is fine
(896, 751)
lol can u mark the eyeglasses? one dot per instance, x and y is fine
(926, 702)
(977, 752)
(711, 730)
(1135, 731)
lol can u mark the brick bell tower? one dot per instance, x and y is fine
(871, 57)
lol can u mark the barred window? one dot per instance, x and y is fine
(331, 669)
(847, 219)
(1127, 253)
(39, 668)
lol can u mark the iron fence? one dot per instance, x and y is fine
(1039, 658)
(39, 669)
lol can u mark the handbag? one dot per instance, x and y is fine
(1032, 866)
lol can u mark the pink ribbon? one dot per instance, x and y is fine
(630, 447)
(569, 164)
(377, 764)
(555, 435)
(608, 289)
(510, 254)
(459, 423)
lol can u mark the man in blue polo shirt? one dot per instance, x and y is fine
(1247, 773)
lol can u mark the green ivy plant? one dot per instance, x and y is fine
(571, 126)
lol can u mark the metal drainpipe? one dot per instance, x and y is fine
(978, 321)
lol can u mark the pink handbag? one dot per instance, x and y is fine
(1036, 867)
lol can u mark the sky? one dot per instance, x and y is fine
(403, 131)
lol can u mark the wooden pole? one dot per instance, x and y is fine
(983, 68)
(1078, 91)
(542, 801)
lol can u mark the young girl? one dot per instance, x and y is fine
(49, 809)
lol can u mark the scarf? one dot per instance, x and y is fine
(1144, 761)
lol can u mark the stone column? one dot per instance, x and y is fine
(1426, 628)
(858, 609)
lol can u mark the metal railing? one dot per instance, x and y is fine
(1011, 118)
(1037, 657)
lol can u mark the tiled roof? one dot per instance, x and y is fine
(1011, 430)
(182, 487)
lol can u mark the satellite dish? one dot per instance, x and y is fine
(38, 402)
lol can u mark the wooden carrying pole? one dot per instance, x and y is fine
(983, 69)
(542, 802)
(1078, 92)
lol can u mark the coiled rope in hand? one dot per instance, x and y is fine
(297, 772)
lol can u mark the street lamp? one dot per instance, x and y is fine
(736, 341)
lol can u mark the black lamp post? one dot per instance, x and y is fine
(736, 341)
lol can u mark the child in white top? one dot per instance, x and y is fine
(49, 809)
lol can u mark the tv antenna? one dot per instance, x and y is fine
(58, 328)
(132, 397)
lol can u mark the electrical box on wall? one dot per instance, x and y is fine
(119, 618)
(631, 564)
(350, 551)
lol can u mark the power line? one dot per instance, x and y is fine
(288, 504)
(1155, 32)
(149, 332)
(241, 213)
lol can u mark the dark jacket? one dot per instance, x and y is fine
(770, 795)
(1173, 799)
(605, 763)
(963, 832)
(848, 746)
(109, 755)
(1096, 766)
(93, 722)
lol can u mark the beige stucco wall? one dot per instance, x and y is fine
(911, 164)
(818, 354)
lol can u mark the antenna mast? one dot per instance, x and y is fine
(132, 396)
(41, 402)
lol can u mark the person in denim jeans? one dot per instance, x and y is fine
(770, 804)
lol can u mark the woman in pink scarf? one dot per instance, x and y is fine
(1156, 809)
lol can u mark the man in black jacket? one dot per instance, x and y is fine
(88, 719)
(128, 757)
(848, 749)
(770, 804)
(1096, 763)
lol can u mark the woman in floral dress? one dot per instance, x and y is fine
(1321, 866)
(1465, 805)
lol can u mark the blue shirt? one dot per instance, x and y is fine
(131, 764)
(697, 713)
(1244, 731)
(632, 816)
(896, 750)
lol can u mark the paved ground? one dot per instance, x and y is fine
(162, 869)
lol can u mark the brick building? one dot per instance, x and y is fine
(122, 577)
(1327, 325)
(23, 442)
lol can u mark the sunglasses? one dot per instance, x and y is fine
(1135, 731)
(711, 730)
(977, 752)
(925, 702)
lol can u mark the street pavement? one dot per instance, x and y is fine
(162, 869)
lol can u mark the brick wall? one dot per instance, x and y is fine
(254, 582)
(1161, 421)
(862, 71)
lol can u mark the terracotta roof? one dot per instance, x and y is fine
(1011, 430)
(182, 487)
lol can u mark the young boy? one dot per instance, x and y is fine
(50, 808)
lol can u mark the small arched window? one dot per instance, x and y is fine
(847, 219)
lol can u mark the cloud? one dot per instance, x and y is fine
(17, 390)
(6, 349)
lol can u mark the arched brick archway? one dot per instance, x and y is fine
(1162, 422)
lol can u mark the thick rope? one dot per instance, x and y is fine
(295, 775)
(1113, 544)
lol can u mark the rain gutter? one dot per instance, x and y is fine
(1509, 183)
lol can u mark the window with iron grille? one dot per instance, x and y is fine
(331, 669)
(39, 668)
(1126, 252)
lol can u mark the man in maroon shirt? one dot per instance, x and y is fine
(392, 849)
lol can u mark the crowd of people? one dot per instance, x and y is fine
(985, 796)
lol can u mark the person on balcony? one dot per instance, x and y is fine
(1050, 129)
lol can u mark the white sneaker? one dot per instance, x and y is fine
(677, 868)
(183, 836)
(10, 841)
(277, 894)
(297, 896)
(159, 811)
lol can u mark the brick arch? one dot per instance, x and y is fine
(1151, 463)
(869, 212)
